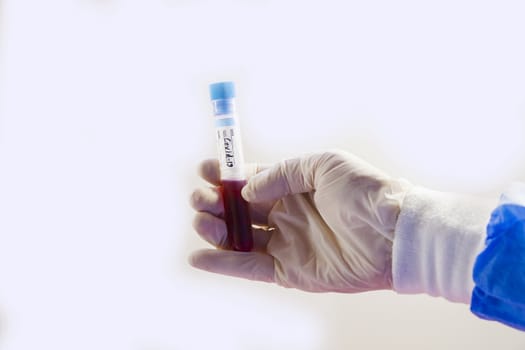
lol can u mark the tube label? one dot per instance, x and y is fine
(229, 149)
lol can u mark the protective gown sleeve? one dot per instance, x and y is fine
(436, 241)
(499, 270)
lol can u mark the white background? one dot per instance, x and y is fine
(104, 115)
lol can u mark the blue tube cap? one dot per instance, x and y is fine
(222, 91)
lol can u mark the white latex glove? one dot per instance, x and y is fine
(325, 222)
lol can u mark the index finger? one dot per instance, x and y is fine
(210, 171)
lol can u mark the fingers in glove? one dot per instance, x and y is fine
(288, 177)
(213, 230)
(210, 171)
(252, 169)
(208, 200)
(255, 266)
(303, 174)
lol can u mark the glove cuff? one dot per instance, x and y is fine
(436, 240)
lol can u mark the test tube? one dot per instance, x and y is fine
(233, 179)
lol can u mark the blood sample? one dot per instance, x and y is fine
(229, 147)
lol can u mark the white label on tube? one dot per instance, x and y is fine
(230, 152)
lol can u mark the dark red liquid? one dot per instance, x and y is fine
(237, 216)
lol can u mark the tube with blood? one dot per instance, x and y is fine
(236, 209)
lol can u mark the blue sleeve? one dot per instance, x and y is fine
(499, 270)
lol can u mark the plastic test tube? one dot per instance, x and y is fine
(236, 209)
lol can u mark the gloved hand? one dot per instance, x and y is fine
(324, 222)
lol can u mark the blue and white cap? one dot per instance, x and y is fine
(221, 95)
